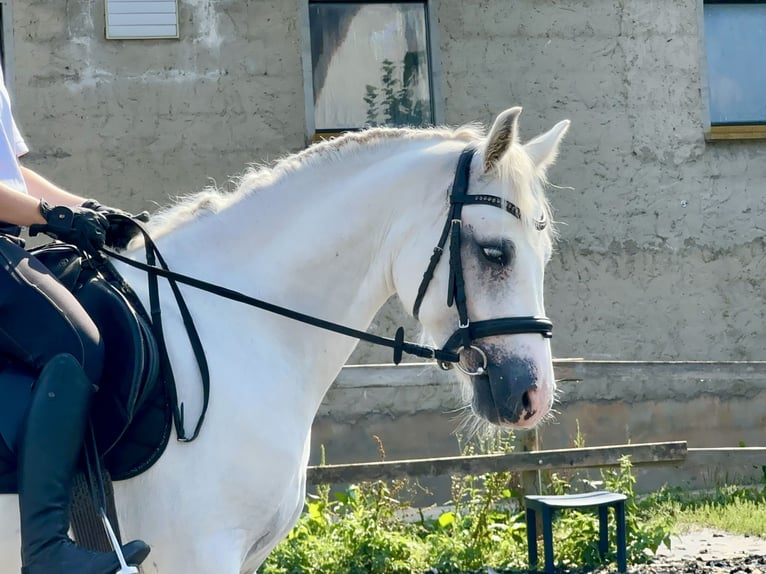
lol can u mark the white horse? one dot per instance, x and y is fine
(333, 232)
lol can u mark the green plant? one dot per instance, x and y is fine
(372, 528)
(353, 532)
(393, 103)
(483, 524)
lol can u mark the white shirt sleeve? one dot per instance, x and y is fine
(18, 142)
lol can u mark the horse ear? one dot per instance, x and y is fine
(544, 148)
(504, 132)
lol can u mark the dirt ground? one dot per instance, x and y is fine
(699, 551)
(707, 551)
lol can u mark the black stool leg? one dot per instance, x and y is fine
(548, 539)
(532, 538)
(622, 550)
(603, 534)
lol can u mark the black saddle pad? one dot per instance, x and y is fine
(131, 414)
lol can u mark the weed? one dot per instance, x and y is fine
(362, 529)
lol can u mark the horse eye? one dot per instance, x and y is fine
(495, 254)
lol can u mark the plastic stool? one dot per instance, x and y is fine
(546, 505)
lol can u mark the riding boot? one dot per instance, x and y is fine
(48, 456)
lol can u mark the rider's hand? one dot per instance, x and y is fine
(121, 229)
(106, 210)
(79, 226)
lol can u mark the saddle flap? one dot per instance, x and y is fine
(131, 413)
(122, 377)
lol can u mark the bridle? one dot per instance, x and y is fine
(452, 351)
(467, 332)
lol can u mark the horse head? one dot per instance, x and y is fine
(507, 370)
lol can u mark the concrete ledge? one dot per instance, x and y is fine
(414, 410)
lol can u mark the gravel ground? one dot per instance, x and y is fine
(702, 551)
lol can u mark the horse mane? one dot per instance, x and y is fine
(516, 169)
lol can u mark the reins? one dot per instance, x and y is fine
(156, 266)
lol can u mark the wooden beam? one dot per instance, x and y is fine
(736, 132)
(589, 457)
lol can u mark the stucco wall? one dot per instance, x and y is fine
(137, 122)
(662, 234)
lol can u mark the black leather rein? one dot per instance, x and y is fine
(467, 332)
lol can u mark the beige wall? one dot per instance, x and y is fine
(662, 250)
(137, 122)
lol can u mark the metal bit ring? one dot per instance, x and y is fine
(479, 370)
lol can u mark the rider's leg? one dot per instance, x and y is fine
(50, 448)
(39, 320)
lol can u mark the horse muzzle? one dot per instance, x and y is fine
(512, 393)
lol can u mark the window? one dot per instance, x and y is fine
(370, 64)
(735, 46)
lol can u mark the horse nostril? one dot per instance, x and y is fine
(526, 402)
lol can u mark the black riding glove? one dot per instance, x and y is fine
(79, 226)
(121, 229)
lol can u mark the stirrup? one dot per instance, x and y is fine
(124, 568)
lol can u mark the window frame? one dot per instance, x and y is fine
(6, 44)
(728, 131)
(432, 41)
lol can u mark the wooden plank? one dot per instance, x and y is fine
(736, 132)
(530, 479)
(589, 457)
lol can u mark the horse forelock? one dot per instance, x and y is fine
(515, 170)
(524, 185)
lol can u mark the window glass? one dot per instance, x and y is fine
(370, 64)
(735, 41)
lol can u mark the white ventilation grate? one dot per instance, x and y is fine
(141, 19)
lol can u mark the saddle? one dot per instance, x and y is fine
(131, 414)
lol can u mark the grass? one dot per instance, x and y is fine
(732, 509)
(739, 517)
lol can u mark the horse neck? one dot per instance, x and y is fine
(322, 242)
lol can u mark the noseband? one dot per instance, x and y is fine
(467, 332)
